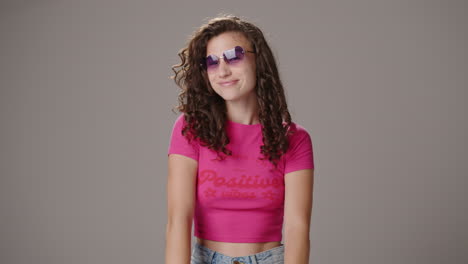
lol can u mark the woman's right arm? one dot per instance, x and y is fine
(181, 188)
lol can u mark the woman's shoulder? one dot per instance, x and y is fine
(180, 122)
(179, 125)
(180, 119)
(297, 130)
(299, 154)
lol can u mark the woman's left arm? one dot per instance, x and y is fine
(297, 215)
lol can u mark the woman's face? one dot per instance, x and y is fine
(242, 73)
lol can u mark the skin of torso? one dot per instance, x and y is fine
(238, 249)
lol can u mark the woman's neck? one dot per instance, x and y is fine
(243, 112)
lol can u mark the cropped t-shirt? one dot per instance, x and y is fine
(241, 198)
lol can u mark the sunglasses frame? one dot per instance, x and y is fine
(205, 67)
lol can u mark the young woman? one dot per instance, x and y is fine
(238, 166)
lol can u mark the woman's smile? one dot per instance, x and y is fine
(229, 83)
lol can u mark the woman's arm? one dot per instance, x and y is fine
(181, 185)
(297, 214)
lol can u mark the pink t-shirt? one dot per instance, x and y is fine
(241, 198)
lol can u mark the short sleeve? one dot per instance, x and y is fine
(300, 153)
(179, 144)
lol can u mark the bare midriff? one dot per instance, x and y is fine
(237, 249)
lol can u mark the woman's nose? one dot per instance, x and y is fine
(223, 68)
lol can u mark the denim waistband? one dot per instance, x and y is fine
(253, 258)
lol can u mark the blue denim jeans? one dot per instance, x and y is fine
(204, 255)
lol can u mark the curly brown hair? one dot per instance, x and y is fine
(205, 111)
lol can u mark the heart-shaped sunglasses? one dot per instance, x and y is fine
(231, 57)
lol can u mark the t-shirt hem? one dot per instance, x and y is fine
(183, 154)
(299, 168)
(240, 239)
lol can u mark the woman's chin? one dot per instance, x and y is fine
(229, 96)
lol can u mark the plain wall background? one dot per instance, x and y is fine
(85, 115)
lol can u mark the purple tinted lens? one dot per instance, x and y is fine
(212, 61)
(234, 55)
(231, 56)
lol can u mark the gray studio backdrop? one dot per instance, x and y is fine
(85, 123)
